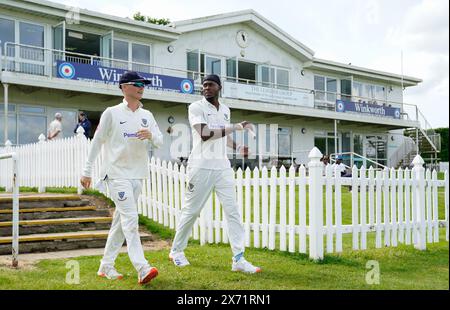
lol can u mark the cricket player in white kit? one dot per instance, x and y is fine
(208, 169)
(126, 131)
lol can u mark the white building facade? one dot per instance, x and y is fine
(60, 59)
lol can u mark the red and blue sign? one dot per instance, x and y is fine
(187, 86)
(108, 75)
(66, 70)
(368, 109)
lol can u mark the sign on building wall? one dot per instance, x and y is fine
(368, 109)
(107, 75)
(267, 94)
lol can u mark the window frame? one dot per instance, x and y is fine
(224, 72)
(16, 58)
(130, 52)
(370, 98)
(275, 83)
(325, 92)
(15, 31)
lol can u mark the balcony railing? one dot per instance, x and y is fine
(43, 62)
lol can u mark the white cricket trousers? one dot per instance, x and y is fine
(125, 224)
(201, 182)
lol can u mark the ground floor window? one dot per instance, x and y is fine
(325, 142)
(274, 150)
(12, 134)
(375, 148)
(284, 141)
(30, 127)
(26, 123)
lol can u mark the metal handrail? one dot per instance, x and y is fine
(15, 215)
(352, 154)
(403, 151)
(426, 129)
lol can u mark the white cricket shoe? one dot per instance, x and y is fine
(109, 272)
(146, 274)
(178, 259)
(242, 265)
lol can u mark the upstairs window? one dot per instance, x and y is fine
(375, 94)
(126, 52)
(141, 54)
(325, 89)
(31, 35)
(199, 64)
(282, 79)
(273, 77)
(193, 65)
(237, 70)
(7, 34)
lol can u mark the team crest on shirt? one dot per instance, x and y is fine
(144, 123)
(122, 196)
(191, 187)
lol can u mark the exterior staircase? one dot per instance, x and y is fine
(55, 223)
(404, 155)
(423, 138)
(429, 143)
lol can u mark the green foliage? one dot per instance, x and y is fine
(157, 21)
(444, 143)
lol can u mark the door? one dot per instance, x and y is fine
(232, 69)
(107, 47)
(346, 89)
(375, 148)
(347, 147)
(213, 65)
(193, 66)
(59, 44)
(285, 146)
(59, 36)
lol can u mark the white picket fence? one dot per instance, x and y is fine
(55, 163)
(287, 210)
(397, 206)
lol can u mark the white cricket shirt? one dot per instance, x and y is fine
(54, 126)
(339, 168)
(210, 154)
(125, 156)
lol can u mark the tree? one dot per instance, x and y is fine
(444, 142)
(151, 20)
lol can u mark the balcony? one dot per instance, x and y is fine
(43, 67)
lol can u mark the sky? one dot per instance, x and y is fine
(370, 33)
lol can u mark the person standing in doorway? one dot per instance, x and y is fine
(127, 132)
(209, 168)
(55, 128)
(84, 122)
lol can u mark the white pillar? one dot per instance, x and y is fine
(80, 135)
(41, 186)
(8, 149)
(315, 205)
(335, 138)
(6, 94)
(419, 193)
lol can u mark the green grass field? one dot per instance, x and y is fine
(402, 267)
